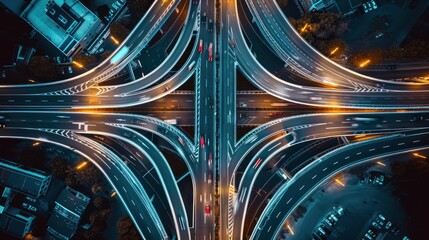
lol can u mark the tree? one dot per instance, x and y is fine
(105, 55)
(138, 8)
(332, 48)
(59, 167)
(299, 212)
(126, 229)
(282, 3)
(88, 175)
(374, 55)
(100, 202)
(85, 60)
(40, 66)
(96, 188)
(119, 31)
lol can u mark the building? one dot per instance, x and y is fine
(67, 24)
(65, 218)
(344, 7)
(16, 222)
(5, 198)
(31, 182)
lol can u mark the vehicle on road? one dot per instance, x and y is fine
(172, 121)
(209, 178)
(202, 142)
(181, 141)
(204, 18)
(191, 65)
(200, 47)
(233, 42)
(2, 125)
(210, 52)
(210, 162)
(207, 208)
(256, 165)
(210, 25)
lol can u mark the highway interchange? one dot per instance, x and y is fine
(122, 145)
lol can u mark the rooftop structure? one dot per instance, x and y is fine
(67, 24)
(344, 7)
(68, 209)
(16, 222)
(27, 181)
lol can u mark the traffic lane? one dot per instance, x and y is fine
(179, 48)
(140, 213)
(318, 96)
(163, 170)
(142, 169)
(83, 122)
(306, 181)
(300, 155)
(304, 53)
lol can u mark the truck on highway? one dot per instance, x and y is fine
(210, 52)
(171, 121)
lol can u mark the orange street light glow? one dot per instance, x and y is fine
(381, 164)
(335, 50)
(339, 182)
(304, 28)
(419, 156)
(36, 143)
(77, 64)
(31, 80)
(113, 194)
(81, 165)
(114, 40)
(365, 63)
(290, 229)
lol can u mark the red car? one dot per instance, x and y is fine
(233, 42)
(208, 209)
(210, 52)
(200, 48)
(202, 142)
(257, 163)
(181, 141)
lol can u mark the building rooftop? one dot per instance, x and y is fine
(21, 179)
(65, 23)
(16, 222)
(64, 220)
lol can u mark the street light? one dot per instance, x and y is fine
(81, 165)
(339, 182)
(36, 144)
(419, 156)
(304, 28)
(114, 40)
(113, 194)
(381, 164)
(290, 229)
(77, 64)
(334, 51)
(364, 63)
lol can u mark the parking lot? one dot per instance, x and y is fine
(361, 203)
